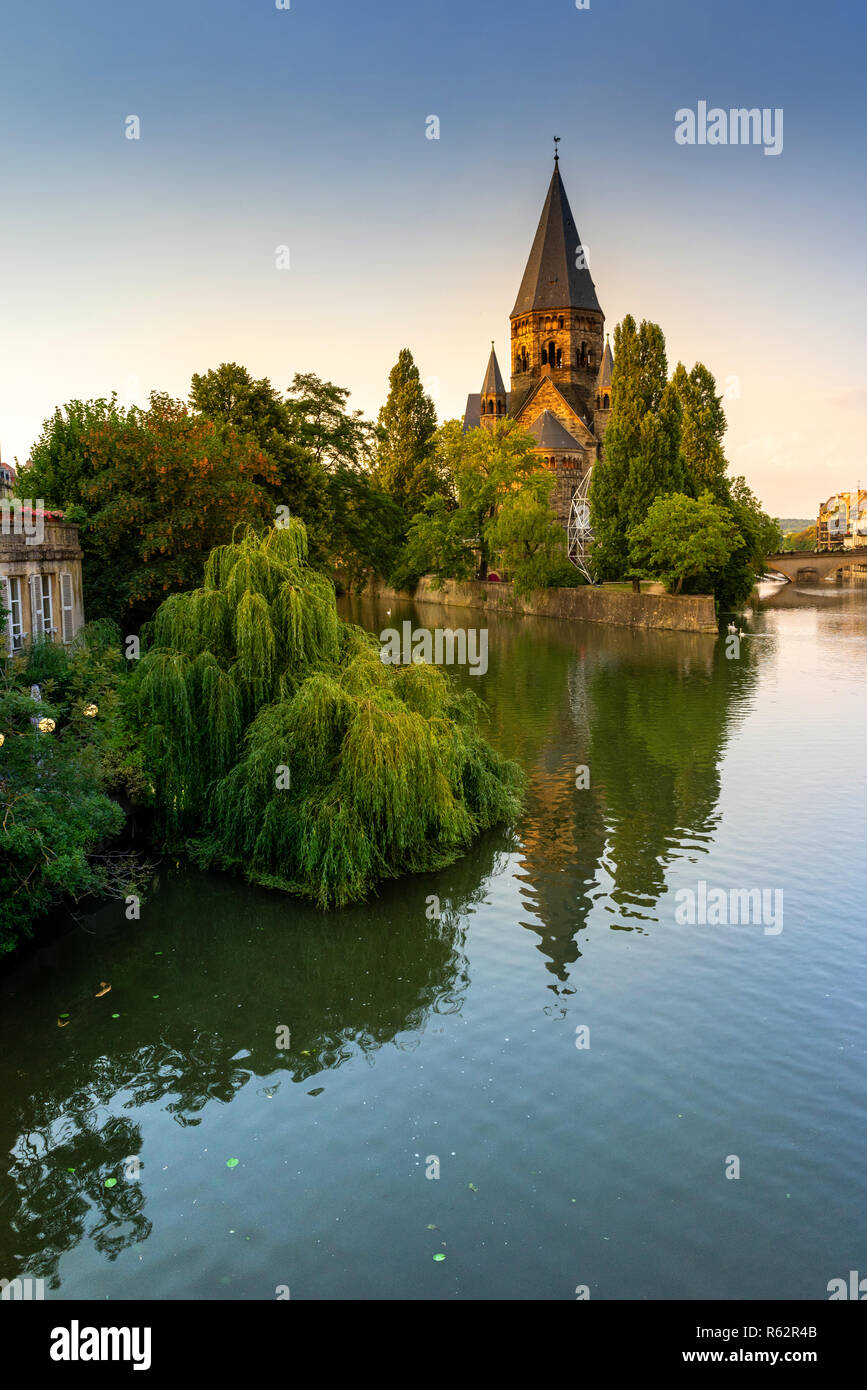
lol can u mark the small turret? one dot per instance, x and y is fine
(603, 381)
(493, 401)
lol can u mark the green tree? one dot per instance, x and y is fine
(60, 466)
(481, 468)
(55, 817)
(406, 456)
(641, 457)
(253, 410)
(321, 422)
(680, 537)
(527, 537)
(703, 424)
(167, 486)
(278, 738)
(367, 528)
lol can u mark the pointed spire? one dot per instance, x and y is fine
(604, 378)
(493, 382)
(552, 280)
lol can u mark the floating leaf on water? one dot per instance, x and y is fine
(64, 1015)
(62, 1024)
(430, 1228)
(472, 1187)
(104, 987)
(70, 1170)
(317, 1091)
(155, 996)
(157, 953)
(232, 1162)
(115, 1015)
(111, 1182)
(439, 1257)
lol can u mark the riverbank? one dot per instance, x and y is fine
(621, 608)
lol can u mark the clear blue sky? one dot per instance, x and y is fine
(129, 265)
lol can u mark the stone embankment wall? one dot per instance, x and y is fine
(682, 613)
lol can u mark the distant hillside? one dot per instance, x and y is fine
(800, 540)
(795, 523)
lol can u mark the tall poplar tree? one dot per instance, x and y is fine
(702, 428)
(642, 444)
(406, 458)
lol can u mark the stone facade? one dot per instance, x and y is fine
(560, 360)
(40, 579)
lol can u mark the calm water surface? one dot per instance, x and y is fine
(413, 1039)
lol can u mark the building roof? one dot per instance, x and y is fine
(552, 280)
(605, 366)
(549, 433)
(493, 382)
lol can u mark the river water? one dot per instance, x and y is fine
(580, 1065)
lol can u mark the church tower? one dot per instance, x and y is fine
(493, 396)
(557, 322)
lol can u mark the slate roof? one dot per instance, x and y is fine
(552, 280)
(549, 433)
(493, 382)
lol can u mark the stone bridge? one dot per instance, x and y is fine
(812, 564)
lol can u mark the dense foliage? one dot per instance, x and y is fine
(681, 537)
(281, 746)
(494, 508)
(54, 812)
(664, 440)
(153, 491)
(406, 463)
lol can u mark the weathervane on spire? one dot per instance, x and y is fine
(556, 151)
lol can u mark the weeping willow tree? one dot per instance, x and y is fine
(281, 746)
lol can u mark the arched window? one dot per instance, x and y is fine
(490, 407)
(544, 357)
(582, 355)
(525, 359)
(561, 323)
(551, 352)
(605, 401)
(559, 357)
(501, 409)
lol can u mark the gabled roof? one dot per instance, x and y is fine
(604, 378)
(567, 394)
(493, 382)
(549, 433)
(552, 280)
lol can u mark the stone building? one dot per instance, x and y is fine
(560, 359)
(40, 575)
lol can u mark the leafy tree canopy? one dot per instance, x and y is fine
(681, 536)
(278, 739)
(406, 465)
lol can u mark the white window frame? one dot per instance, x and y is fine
(37, 627)
(67, 611)
(47, 606)
(14, 603)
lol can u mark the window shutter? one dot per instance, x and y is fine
(36, 617)
(7, 605)
(47, 605)
(67, 633)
